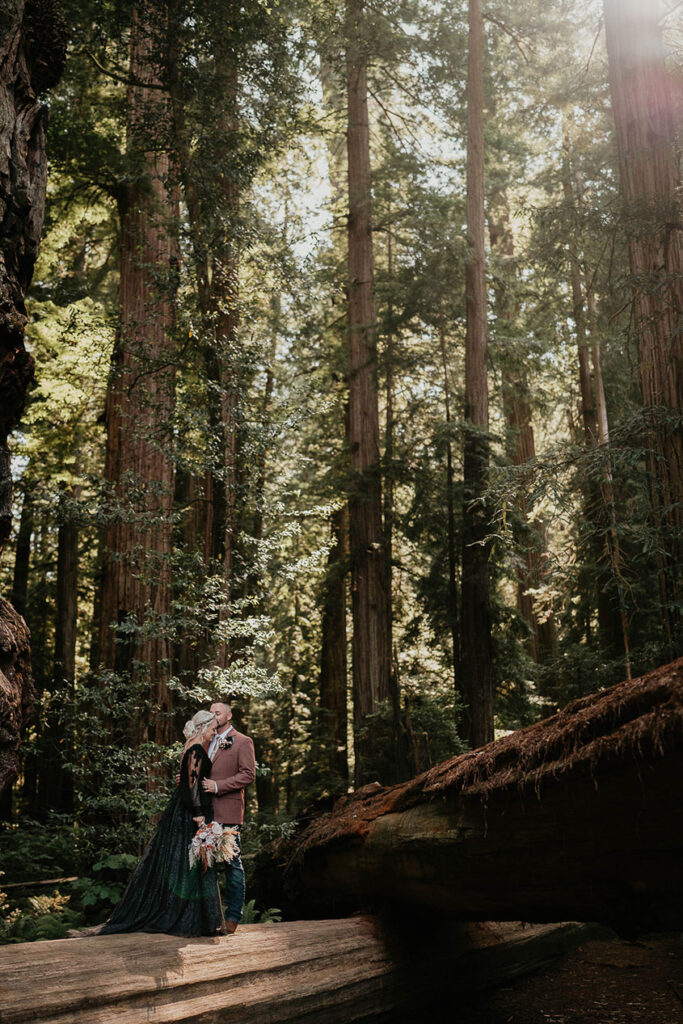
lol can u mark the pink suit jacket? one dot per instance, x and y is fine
(233, 769)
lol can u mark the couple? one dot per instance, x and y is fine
(164, 894)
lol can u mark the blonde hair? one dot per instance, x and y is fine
(198, 724)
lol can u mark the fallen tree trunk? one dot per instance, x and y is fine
(323, 972)
(577, 817)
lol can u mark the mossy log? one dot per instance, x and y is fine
(321, 972)
(579, 817)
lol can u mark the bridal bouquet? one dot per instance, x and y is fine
(211, 844)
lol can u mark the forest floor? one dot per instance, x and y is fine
(603, 981)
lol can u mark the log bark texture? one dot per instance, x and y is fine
(319, 972)
(578, 816)
(32, 49)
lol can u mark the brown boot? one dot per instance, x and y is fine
(229, 928)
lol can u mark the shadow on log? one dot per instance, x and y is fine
(321, 972)
(578, 817)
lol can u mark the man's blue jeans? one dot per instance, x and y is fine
(234, 882)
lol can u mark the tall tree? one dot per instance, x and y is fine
(333, 640)
(452, 609)
(475, 640)
(136, 572)
(530, 539)
(596, 511)
(371, 640)
(644, 117)
(32, 49)
(211, 190)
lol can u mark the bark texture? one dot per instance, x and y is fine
(334, 641)
(370, 601)
(16, 688)
(475, 638)
(450, 516)
(136, 585)
(576, 817)
(32, 49)
(649, 165)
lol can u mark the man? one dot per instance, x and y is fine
(234, 767)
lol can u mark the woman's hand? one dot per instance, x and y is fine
(199, 820)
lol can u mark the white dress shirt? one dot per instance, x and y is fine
(213, 747)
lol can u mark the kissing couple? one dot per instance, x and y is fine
(164, 893)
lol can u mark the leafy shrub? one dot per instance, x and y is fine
(250, 915)
(32, 850)
(95, 894)
(42, 917)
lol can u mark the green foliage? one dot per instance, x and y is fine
(38, 918)
(105, 890)
(98, 895)
(250, 915)
(32, 850)
(262, 145)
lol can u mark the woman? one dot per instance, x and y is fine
(164, 894)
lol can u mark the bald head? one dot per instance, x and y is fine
(223, 713)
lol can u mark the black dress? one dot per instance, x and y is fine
(164, 894)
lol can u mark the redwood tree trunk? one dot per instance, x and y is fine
(333, 647)
(136, 572)
(371, 635)
(26, 70)
(333, 668)
(475, 639)
(450, 517)
(67, 591)
(645, 123)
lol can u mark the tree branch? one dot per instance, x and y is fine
(503, 27)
